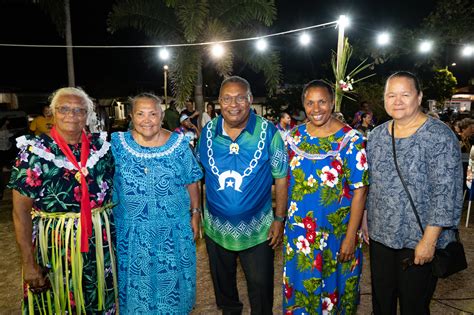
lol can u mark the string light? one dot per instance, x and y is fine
(383, 39)
(425, 46)
(305, 39)
(468, 51)
(164, 54)
(217, 50)
(261, 44)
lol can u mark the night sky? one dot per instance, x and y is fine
(121, 72)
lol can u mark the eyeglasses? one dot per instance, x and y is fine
(239, 99)
(75, 111)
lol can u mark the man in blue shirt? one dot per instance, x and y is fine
(242, 153)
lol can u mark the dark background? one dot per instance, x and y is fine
(121, 72)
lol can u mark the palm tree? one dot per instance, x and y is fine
(195, 21)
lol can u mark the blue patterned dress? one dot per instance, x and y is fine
(155, 248)
(323, 174)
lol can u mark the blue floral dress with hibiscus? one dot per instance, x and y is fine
(323, 174)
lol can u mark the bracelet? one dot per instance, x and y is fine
(195, 210)
(279, 219)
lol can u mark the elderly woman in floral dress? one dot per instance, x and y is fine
(61, 211)
(327, 191)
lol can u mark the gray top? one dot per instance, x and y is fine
(430, 163)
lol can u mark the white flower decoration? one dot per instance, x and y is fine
(311, 180)
(292, 209)
(329, 176)
(295, 162)
(361, 161)
(303, 245)
(322, 244)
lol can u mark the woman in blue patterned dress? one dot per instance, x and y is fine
(155, 188)
(327, 191)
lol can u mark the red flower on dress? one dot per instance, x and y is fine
(288, 291)
(309, 224)
(32, 178)
(77, 193)
(311, 236)
(346, 192)
(337, 165)
(289, 312)
(333, 296)
(318, 262)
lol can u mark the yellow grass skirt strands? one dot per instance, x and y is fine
(58, 244)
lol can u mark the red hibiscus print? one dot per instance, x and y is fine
(288, 291)
(289, 312)
(77, 193)
(333, 296)
(337, 165)
(311, 236)
(346, 129)
(309, 224)
(346, 192)
(318, 262)
(32, 178)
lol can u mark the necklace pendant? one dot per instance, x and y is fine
(234, 148)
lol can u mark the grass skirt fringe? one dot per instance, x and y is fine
(80, 282)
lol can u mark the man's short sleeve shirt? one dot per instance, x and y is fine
(239, 177)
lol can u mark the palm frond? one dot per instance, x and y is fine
(215, 30)
(153, 18)
(184, 70)
(268, 63)
(244, 12)
(192, 15)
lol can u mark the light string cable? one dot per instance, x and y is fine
(323, 25)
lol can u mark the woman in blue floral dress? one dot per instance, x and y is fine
(157, 214)
(327, 191)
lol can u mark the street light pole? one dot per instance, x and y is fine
(165, 73)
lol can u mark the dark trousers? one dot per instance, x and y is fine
(257, 264)
(413, 287)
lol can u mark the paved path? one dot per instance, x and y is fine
(453, 296)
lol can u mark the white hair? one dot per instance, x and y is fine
(78, 92)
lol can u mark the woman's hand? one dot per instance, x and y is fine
(425, 249)
(365, 228)
(196, 225)
(36, 277)
(346, 252)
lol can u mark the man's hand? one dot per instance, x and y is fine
(275, 234)
(196, 225)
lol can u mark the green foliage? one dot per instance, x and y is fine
(330, 263)
(304, 263)
(349, 299)
(441, 86)
(336, 219)
(192, 21)
(451, 21)
(339, 68)
(310, 302)
(328, 195)
(312, 284)
(301, 186)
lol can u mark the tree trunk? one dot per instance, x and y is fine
(198, 95)
(70, 59)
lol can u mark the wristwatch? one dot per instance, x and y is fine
(278, 218)
(195, 210)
